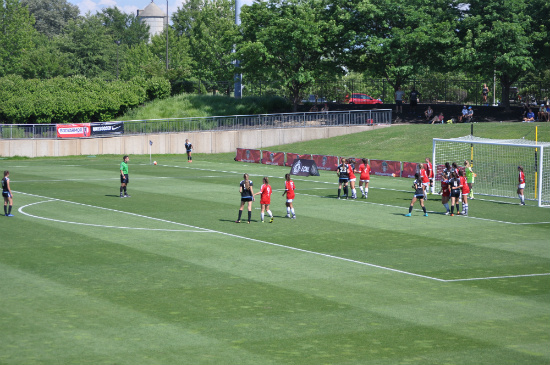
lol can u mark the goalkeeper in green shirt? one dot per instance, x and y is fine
(124, 179)
(470, 175)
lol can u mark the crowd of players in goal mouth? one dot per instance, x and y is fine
(456, 184)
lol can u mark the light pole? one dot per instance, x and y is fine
(117, 46)
(167, 19)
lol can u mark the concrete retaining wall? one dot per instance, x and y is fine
(173, 143)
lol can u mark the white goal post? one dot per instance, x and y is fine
(496, 161)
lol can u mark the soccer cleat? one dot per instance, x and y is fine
(248, 222)
(408, 215)
(425, 214)
(9, 215)
(457, 213)
(127, 196)
(122, 196)
(287, 216)
(522, 204)
(293, 217)
(271, 220)
(262, 221)
(447, 213)
(237, 221)
(452, 215)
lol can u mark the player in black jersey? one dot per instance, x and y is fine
(188, 149)
(419, 191)
(456, 188)
(6, 193)
(343, 177)
(247, 196)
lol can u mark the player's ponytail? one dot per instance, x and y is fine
(246, 182)
(266, 180)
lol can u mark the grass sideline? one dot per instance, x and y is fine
(166, 277)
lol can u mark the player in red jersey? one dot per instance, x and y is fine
(445, 193)
(425, 179)
(521, 185)
(352, 178)
(364, 178)
(465, 192)
(289, 191)
(265, 199)
(430, 170)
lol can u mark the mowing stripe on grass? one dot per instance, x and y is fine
(205, 230)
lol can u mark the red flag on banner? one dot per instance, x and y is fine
(273, 158)
(385, 168)
(248, 155)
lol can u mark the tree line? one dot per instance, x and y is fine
(291, 43)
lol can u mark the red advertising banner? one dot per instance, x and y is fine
(248, 155)
(409, 169)
(385, 168)
(324, 162)
(273, 158)
(290, 157)
(73, 130)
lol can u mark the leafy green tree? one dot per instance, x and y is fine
(45, 60)
(16, 36)
(288, 41)
(126, 28)
(209, 25)
(499, 39)
(396, 40)
(52, 16)
(89, 47)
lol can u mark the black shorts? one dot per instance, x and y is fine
(6, 194)
(125, 179)
(455, 193)
(343, 180)
(247, 199)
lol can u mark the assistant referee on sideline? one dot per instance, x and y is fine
(124, 179)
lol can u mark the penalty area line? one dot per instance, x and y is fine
(499, 277)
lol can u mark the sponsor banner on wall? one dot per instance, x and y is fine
(409, 169)
(248, 155)
(77, 130)
(107, 128)
(273, 158)
(324, 162)
(302, 167)
(290, 157)
(385, 168)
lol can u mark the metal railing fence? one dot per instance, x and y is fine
(219, 123)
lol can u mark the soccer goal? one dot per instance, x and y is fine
(496, 161)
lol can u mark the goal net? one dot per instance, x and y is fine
(496, 161)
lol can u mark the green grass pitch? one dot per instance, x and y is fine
(167, 277)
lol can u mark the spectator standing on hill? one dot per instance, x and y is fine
(399, 100)
(6, 193)
(419, 193)
(189, 150)
(484, 93)
(247, 196)
(124, 177)
(413, 97)
(521, 185)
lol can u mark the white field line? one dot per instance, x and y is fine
(205, 230)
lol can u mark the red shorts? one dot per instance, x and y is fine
(265, 201)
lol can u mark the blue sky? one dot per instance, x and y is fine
(128, 6)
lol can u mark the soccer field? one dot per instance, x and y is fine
(167, 277)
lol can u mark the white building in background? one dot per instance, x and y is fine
(154, 17)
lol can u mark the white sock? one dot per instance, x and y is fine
(269, 212)
(362, 190)
(292, 210)
(354, 193)
(262, 215)
(287, 210)
(366, 191)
